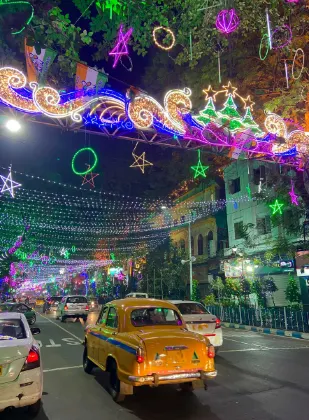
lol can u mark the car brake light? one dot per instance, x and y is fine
(218, 323)
(87, 308)
(211, 352)
(140, 355)
(32, 361)
(66, 308)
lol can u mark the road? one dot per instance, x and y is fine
(259, 377)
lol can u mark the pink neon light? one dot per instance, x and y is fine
(121, 47)
(294, 197)
(227, 21)
(285, 29)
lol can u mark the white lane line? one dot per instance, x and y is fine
(63, 329)
(264, 349)
(251, 344)
(62, 368)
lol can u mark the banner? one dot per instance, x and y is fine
(38, 64)
(88, 79)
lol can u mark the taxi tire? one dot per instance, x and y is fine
(114, 384)
(87, 364)
(187, 387)
(32, 320)
(34, 409)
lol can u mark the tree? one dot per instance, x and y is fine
(292, 291)
(264, 288)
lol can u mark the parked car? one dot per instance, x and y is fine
(54, 302)
(73, 307)
(21, 374)
(93, 304)
(144, 342)
(137, 295)
(200, 321)
(21, 308)
(39, 301)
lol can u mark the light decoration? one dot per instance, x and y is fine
(8, 184)
(5, 3)
(298, 52)
(227, 21)
(121, 47)
(276, 207)
(168, 32)
(199, 169)
(281, 37)
(249, 191)
(269, 29)
(293, 195)
(264, 37)
(90, 168)
(140, 161)
(13, 126)
(89, 178)
(114, 6)
(286, 74)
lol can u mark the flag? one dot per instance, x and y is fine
(88, 79)
(38, 64)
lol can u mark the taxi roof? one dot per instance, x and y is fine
(140, 302)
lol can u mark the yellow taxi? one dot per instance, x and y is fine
(146, 342)
(39, 301)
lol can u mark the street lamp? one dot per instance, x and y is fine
(13, 126)
(163, 207)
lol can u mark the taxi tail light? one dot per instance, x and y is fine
(66, 308)
(211, 352)
(218, 323)
(32, 361)
(87, 308)
(140, 358)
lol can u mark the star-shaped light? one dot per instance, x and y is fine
(248, 103)
(63, 251)
(294, 197)
(210, 93)
(276, 207)
(89, 179)
(199, 169)
(230, 90)
(121, 47)
(140, 161)
(66, 255)
(9, 184)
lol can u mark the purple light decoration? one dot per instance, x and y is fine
(227, 21)
(294, 197)
(121, 47)
(285, 29)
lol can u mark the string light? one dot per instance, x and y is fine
(199, 169)
(276, 207)
(121, 47)
(265, 36)
(90, 168)
(9, 184)
(227, 21)
(140, 161)
(297, 52)
(18, 3)
(169, 32)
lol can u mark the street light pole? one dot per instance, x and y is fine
(190, 259)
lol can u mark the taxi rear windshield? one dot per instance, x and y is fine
(11, 329)
(144, 317)
(191, 308)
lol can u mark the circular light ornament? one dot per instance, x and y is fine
(262, 45)
(90, 168)
(168, 32)
(299, 56)
(13, 126)
(227, 21)
(281, 37)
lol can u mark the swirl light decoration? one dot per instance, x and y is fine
(227, 21)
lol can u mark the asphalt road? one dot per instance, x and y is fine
(259, 377)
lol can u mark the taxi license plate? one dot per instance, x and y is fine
(204, 325)
(0, 370)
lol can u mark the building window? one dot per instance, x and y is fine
(210, 238)
(238, 229)
(259, 175)
(192, 245)
(200, 245)
(234, 186)
(182, 245)
(263, 225)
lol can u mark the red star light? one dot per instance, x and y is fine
(121, 47)
(89, 179)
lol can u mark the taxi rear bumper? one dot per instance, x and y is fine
(173, 378)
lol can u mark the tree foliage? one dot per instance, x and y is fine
(292, 291)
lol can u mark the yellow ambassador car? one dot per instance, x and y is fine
(146, 342)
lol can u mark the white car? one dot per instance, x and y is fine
(21, 373)
(200, 321)
(73, 307)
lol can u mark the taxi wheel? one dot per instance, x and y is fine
(87, 364)
(34, 409)
(32, 320)
(186, 387)
(114, 384)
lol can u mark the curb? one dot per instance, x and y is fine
(272, 331)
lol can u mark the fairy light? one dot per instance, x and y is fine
(5, 3)
(227, 21)
(265, 36)
(90, 168)
(297, 52)
(168, 32)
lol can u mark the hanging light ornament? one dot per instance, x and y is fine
(227, 21)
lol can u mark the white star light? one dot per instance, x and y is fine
(63, 251)
(9, 184)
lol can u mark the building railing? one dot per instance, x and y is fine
(283, 318)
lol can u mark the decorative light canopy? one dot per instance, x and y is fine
(227, 21)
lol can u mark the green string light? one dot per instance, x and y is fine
(261, 46)
(14, 3)
(276, 207)
(199, 169)
(91, 168)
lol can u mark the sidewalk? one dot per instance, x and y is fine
(282, 333)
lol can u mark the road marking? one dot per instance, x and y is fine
(63, 329)
(53, 344)
(62, 368)
(264, 349)
(71, 341)
(243, 342)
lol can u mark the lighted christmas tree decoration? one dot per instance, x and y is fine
(199, 169)
(227, 21)
(168, 32)
(276, 207)
(9, 184)
(121, 47)
(90, 168)
(140, 161)
(114, 6)
(294, 197)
